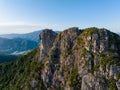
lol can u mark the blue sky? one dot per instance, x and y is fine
(21, 16)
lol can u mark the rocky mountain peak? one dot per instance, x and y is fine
(47, 38)
(72, 29)
(99, 40)
(81, 53)
(74, 59)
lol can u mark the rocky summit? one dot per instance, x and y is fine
(75, 59)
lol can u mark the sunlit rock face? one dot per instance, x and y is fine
(81, 59)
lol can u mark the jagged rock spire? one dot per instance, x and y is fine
(47, 38)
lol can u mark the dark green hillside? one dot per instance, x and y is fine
(16, 75)
(6, 58)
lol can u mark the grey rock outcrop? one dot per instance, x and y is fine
(74, 59)
(118, 84)
(47, 38)
(80, 59)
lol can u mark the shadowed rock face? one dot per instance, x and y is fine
(47, 38)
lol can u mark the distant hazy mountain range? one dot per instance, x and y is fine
(34, 36)
(118, 33)
(19, 43)
(10, 49)
(9, 46)
(12, 45)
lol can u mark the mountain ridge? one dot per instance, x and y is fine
(31, 36)
(74, 59)
(34, 36)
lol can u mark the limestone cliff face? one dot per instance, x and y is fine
(76, 59)
(47, 38)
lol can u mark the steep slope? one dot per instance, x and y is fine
(74, 59)
(88, 59)
(23, 73)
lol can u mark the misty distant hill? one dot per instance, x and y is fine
(18, 44)
(34, 36)
(9, 46)
(118, 33)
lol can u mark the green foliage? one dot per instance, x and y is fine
(103, 63)
(80, 41)
(84, 52)
(114, 40)
(18, 74)
(65, 54)
(59, 35)
(41, 86)
(108, 58)
(73, 79)
(96, 67)
(91, 71)
(118, 75)
(89, 31)
(54, 55)
(112, 84)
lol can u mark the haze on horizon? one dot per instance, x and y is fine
(22, 16)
